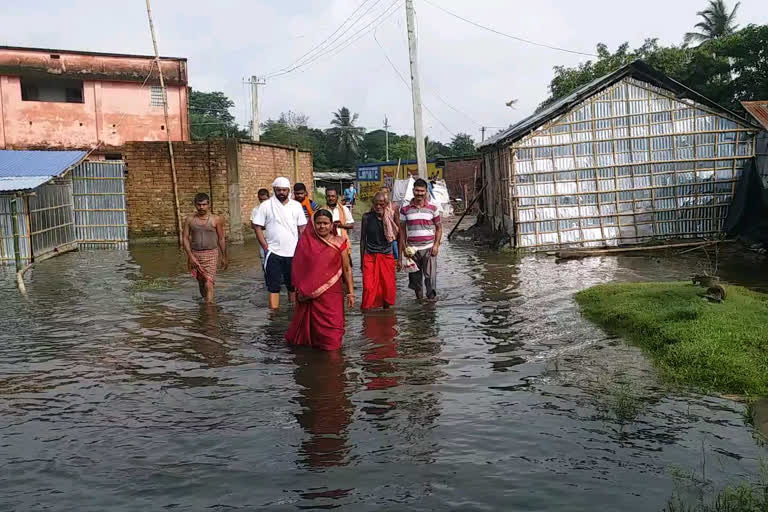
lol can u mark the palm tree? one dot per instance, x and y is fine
(346, 136)
(717, 22)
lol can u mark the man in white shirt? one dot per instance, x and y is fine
(283, 220)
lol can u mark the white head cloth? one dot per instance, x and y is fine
(281, 183)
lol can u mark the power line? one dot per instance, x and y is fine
(322, 43)
(405, 82)
(342, 45)
(516, 38)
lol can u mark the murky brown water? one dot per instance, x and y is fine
(120, 391)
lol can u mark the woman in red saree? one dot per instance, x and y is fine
(318, 273)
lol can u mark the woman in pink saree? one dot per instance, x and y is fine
(320, 275)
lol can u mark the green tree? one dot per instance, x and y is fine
(462, 144)
(373, 147)
(717, 22)
(345, 137)
(291, 129)
(403, 148)
(209, 116)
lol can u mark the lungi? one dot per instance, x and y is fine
(378, 280)
(209, 261)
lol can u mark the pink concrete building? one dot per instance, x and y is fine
(66, 99)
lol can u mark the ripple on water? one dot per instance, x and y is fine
(120, 391)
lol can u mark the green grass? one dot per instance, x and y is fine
(714, 347)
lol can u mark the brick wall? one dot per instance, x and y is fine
(259, 165)
(458, 173)
(228, 171)
(201, 166)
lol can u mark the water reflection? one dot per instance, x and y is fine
(381, 329)
(326, 410)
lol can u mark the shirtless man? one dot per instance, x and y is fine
(203, 240)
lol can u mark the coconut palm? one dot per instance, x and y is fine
(717, 22)
(345, 135)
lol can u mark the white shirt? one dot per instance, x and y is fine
(337, 216)
(281, 239)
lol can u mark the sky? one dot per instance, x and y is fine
(467, 74)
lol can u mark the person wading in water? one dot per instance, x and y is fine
(203, 240)
(284, 221)
(420, 234)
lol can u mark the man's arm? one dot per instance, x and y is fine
(259, 230)
(187, 247)
(362, 237)
(403, 237)
(438, 237)
(222, 242)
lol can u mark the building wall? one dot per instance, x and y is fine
(230, 172)
(201, 166)
(260, 164)
(460, 174)
(630, 164)
(116, 107)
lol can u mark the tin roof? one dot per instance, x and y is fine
(637, 69)
(759, 110)
(25, 170)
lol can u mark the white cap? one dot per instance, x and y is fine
(281, 183)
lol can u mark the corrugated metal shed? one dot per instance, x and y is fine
(25, 170)
(759, 110)
(334, 176)
(637, 69)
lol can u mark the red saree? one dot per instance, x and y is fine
(316, 274)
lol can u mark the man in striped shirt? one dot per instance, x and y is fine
(421, 230)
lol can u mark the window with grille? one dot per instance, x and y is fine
(156, 96)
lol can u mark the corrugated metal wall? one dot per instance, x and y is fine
(99, 197)
(630, 164)
(6, 230)
(51, 224)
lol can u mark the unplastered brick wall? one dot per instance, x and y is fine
(260, 164)
(201, 166)
(229, 171)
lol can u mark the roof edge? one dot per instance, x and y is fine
(86, 52)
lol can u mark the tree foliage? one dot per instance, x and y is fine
(209, 116)
(462, 144)
(716, 22)
(726, 69)
(345, 138)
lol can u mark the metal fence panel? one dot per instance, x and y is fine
(7, 256)
(99, 199)
(51, 225)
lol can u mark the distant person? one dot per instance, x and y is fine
(322, 274)
(284, 221)
(376, 255)
(350, 195)
(342, 217)
(263, 195)
(391, 221)
(300, 195)
(203, 240)
(420, 233)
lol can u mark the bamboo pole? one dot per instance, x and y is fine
(465, 212)
(584, 253)
(15, 227)
(167, 127)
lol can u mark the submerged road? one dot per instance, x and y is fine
(120, 391)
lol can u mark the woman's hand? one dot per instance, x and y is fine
(300, 297)
(351, 300)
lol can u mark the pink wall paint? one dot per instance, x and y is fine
(113, 111)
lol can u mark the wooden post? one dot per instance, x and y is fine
(167, 127)
(15, 227)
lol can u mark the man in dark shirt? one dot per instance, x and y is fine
(377, 259)
(300, 195)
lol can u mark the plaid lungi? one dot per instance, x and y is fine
(209, 261)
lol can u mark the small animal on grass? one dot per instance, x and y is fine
(715, 293)
(705, 280)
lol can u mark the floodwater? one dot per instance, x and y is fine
(120, 391)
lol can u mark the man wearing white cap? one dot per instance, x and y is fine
(284, 221)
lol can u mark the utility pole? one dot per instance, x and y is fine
(418, 128)
(482, 133)
(386, 138)
(255, 83)
(167, 127)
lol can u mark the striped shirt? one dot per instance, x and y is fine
(420, 223)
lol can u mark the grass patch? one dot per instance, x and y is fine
(150, 284)
(746, 497)
(714, 347)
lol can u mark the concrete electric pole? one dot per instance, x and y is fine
(418, 128)
(255, 83)
(482, 132)
(386, 138)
